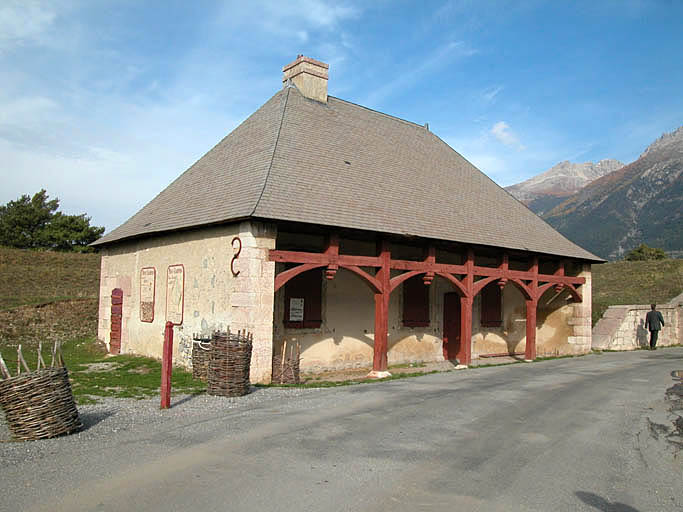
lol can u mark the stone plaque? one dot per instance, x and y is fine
(148, 279)
(175, 294)
(296, 310)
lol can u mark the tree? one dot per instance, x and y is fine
(35, 223)
(643, 252)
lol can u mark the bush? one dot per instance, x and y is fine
(645, 253)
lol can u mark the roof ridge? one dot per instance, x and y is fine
(380, 113)
(272, 156)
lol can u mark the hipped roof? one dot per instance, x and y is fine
(342, 165)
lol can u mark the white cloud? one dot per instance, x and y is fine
(23, 21)
(489, 94)
(501, 131)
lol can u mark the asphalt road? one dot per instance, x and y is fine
(576, 434)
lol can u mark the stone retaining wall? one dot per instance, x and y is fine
(623, 327)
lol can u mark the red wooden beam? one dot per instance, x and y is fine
(430, 260)
(379, 360)
(291, 273)
(332, 253)
(530, 349)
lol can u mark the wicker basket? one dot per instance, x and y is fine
(287, 373)
(201, 354)
(229, 364)
(39, 404)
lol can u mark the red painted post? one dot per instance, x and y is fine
(530, 350)
(465, 355)
(167, 366)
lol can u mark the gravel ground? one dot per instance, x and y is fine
(125, 418)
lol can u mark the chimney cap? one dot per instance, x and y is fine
(302, 58)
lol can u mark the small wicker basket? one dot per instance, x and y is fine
(39, 404)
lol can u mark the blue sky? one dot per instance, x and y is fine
(104, 103)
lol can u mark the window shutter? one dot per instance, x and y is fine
(415, 302)
(491, 298)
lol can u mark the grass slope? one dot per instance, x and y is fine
(38, 277)
(635, 282)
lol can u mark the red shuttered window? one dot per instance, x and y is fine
(491, 310)
(303, 300)
(415, 302)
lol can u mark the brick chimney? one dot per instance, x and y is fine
(309, 76)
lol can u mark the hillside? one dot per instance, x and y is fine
(635, 282)
(640, 203)
(47, 295)
(548, 189)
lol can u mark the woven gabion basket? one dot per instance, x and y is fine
(39, 404)
(229, 364)
(201, 354)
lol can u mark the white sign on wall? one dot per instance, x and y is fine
(175, 294)
(147, 293)
(296, 310)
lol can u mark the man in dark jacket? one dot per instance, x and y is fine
(654, 323)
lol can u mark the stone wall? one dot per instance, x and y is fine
(211, 298)
(623, 327)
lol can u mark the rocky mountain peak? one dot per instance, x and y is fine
(667, 139)
(563, 179)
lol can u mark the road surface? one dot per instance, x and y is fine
(585, 433)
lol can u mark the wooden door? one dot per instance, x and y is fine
(451, 326)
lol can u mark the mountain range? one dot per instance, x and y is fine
(609, 208)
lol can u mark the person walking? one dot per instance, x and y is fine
(654, 323)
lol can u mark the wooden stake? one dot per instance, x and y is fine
(20, 359)
(41, 363)
(3, 368)
(54, 354)
(282, 362)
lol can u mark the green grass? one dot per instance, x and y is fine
(126, 376)
(635, 282)
(39, 277)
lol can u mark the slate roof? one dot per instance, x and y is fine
(343, 165)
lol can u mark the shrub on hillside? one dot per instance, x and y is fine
(644, 253)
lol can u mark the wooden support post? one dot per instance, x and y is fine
(332, 253)
(429, 261)
(379, 360)
(167, 366)
(465, 355)
(530, 350)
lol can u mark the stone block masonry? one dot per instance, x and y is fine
(252, 295)
(623, 327)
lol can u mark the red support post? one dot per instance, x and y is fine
(530, 350)
(167, 366)
(379, 360)
(465, 356)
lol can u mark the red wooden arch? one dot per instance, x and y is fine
(282, 278)
(531, 283)
(373, 283)
(521, 287)
(397, 280)
(479, 285)
(459, 287)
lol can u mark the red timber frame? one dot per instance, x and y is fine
(467, 279)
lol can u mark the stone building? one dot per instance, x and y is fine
(362, 237)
